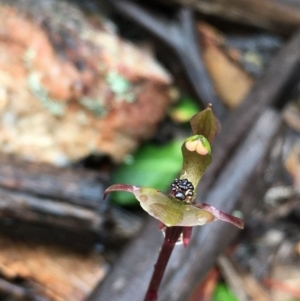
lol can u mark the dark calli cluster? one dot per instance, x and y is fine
(182, 190)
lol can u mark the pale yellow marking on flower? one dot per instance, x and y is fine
(204, 217)
(149, 190)
(143, 198)
(191, 145)
(197, 146)
(201, 149)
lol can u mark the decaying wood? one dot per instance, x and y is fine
(280, 16)
(83, 89)
(75, 186)
(45, 199)
(49, 272)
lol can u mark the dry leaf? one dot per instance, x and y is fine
(231, 83)
(284, 282)
(292, 164)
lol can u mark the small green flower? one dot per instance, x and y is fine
(178, 208)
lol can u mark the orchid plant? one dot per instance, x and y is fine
(178, 211)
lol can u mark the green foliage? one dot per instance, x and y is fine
(184, 110)
(223, 293)
(152, 166)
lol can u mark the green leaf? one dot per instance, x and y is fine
(152, 166)
(223, 293)
(184, 110)
(205, 123)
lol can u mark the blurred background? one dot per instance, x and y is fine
(99, 92)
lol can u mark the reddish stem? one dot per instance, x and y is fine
(171, 237)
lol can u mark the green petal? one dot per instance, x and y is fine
(196, 153)
(166, 208)
(171, 211)
(166, 213)
(159, 205)
(205, 123)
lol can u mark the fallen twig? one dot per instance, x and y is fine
(179, 34)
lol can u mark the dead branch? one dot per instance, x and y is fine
(179, 34)
(278, 16)
(45, 200)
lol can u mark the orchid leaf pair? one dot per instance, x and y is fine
(178, 208)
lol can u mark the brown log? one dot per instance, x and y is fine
(279, 16)
(260, 124)
(76, 186)
(59, 204)
(67, 66)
